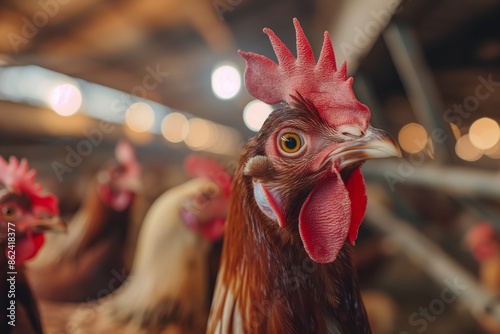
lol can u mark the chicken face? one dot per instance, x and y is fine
(25, 214)
(119, 182)
(308, 176)
(305, 160)
(205, 211)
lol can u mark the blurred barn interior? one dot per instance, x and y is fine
(77, 76)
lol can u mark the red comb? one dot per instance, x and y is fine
(125, 154)
(328, 88)
(199, 166)
(17, 177)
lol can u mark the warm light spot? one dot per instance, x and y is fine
(200, 134)
(140, 117)
(493, 152)
(226, 142)
(255, 114)
(138, 138)
(484, 133)
(66, 99)
(175, 127)
(466, 150)
(226, 82)
(412, 138)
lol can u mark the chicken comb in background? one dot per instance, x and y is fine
(205, 167)
(17, 177)
(328, 88)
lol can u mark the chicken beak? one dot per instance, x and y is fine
(54, 223)
(376, 144)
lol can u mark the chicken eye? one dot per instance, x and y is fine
(290, 142)
(9, 212)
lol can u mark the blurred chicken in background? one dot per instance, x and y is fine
(90, 262)
(483, 241)
(168, 290)
(25, 214)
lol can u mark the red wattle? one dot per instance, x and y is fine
(325, 219)
(27, 247)
(357, 194)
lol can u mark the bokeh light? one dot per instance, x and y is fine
(484, 133)
(200, 134)
(466, 150)
(175, 127)
(226, 82)
(66, 99)
(493, 152)
(255, 114)
(140, 117)
(138, 138)
(412, 138)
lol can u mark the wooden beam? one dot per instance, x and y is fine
(434, 261)
(457, 181)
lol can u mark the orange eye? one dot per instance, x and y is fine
(290, 142)
(9, 212)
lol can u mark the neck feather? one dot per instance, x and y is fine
(273, 281)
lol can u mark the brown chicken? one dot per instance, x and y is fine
(168, 289)
(89, 263)
(25, 214)
(297, 197)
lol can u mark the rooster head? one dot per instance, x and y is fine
(25, 213)
(305, 161)
(205, 211)
(121, 180)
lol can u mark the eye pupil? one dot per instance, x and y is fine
(290, 143)
(8, 212)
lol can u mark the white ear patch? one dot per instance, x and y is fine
(269, 202)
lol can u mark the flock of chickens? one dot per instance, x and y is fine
(288, 218)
